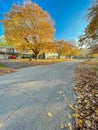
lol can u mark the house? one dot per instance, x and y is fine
(7, 51)
(48, 56)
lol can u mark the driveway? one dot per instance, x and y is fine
(37, 98)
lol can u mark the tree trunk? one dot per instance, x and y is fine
(36, 56)
(59, 56)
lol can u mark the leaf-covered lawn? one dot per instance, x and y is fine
(41, 60)
(50, 61)
(86, 87)
(5, 70)
(93, 65)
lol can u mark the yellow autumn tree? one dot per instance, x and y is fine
(90, 36)
(73, 49)
(76, 51)
(61, 48)
(28, 27)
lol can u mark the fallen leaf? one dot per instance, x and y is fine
(72, 107)
(69, 116)
(63, 126)
(66, 99)
(76, 115)
(1, 124)
(49, 114)
(88, 123)
(70, 126)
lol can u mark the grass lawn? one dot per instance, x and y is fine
(2, 66)
(5, 70)
(43, 61)
(40, 61)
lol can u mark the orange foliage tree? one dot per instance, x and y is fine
(73, 49)
(61, 48)
(28, 27)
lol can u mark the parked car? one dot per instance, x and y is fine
(12, 57)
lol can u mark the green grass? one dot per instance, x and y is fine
(2, 66)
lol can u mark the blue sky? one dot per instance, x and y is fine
(67, 14)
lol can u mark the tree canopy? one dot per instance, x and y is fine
(90, 36)
(28, 27)
(66, 48)
(73, 49)
(61, 47)
(91, 31)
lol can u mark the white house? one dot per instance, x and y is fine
(6, 51)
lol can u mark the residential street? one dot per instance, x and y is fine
(37, 98)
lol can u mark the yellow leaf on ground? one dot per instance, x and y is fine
(63, 126)
(70, 126)
(1, 124)
(80, 123)
(66, 99)
(76, 115)
(49, 114)
(72, 107)
(69, 116)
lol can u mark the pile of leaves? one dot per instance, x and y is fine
(6, 71)
(86, 89)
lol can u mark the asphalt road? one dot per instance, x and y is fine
(37, 98)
